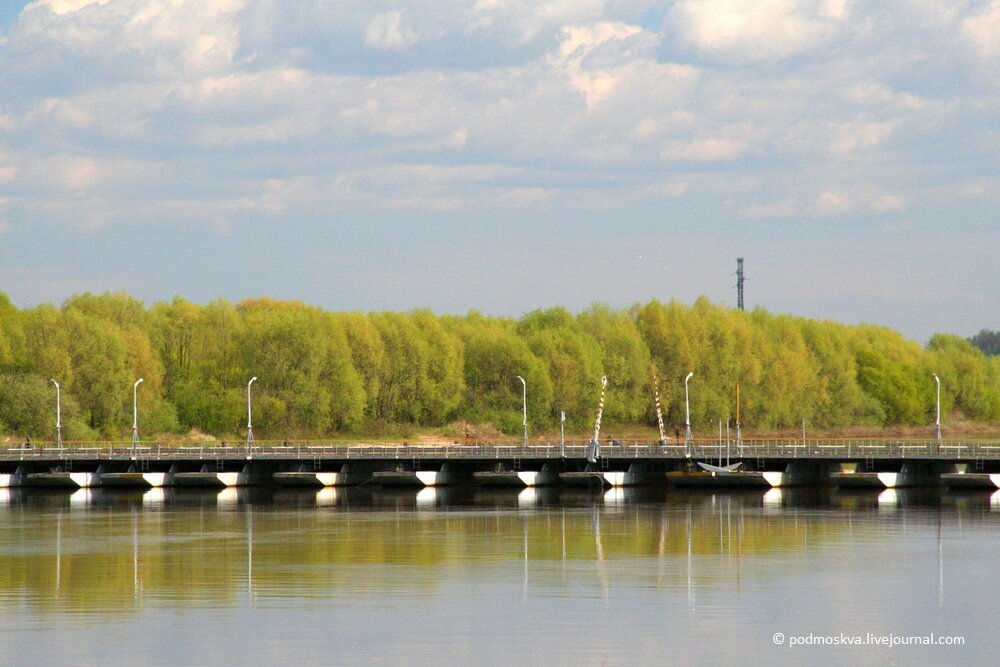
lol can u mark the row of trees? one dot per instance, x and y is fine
(324, 372)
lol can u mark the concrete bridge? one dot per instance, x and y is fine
(876, 463)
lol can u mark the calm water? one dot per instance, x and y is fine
(460, 576)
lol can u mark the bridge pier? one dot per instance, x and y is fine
(801, 473)
(253, 473)
(16, 478)
(445, 475)
(348, 475)
(546, 476)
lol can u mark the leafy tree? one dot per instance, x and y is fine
(966, 379)
(493, 360)
(11, 335)
(574, 362)
(987, 341)
(625, 359)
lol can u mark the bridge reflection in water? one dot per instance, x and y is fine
(560, 575)
(96, 550)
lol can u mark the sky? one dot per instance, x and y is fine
(507, 155)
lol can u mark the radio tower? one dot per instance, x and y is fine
(739, 283)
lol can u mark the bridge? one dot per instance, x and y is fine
(764, 462)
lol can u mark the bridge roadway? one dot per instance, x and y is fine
(871, 462)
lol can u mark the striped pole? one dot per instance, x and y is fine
(594, 450)
(659, 410)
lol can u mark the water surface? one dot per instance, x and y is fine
(362, 576)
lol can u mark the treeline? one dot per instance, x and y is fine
(987, 341)
(323, 372)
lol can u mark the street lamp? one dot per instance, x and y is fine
(524, 403)
(135, 415)
(937, 421)
(249, 416)
(58, 415)
(687, 418)
(562, 433)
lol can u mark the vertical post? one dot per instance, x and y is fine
(937, 420)
(720, 442)
(562, 433)
(135, 415)
(524, 406)
(687, 418)
(58, 415)
(727, 440)
(249, 417)
(739, 436)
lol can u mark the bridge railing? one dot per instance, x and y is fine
(785, 448)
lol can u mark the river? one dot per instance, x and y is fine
(473, 576)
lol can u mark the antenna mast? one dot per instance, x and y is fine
(739, 283)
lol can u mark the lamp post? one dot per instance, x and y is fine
(249, 416)
(687, 418)
(524, 404)
(562, 433)
(937, 421)
(135, 415)
(58, 415)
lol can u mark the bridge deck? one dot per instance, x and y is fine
(825, 450)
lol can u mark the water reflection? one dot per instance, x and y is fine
(93, 551)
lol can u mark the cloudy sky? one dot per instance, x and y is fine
(506, 155)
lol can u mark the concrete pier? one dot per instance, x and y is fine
(16, 478)
(315, 479)
(251, 474)
(858, 480)
(585, 478)
(348, 475)
(702, 478)
(133, 479)
(63, 480)
(518, 478)
(800, 473)
(970, 480)
(204, 478)
(447, 474)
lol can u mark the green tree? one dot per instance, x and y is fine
(574, 363)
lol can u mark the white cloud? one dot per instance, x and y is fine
(64, 6)
(527, 19)
(591, 102)
(578, 43)
(704, 150)
(833, 202)
(983, 30)
(387, 32)
(780, 209)
(888, 203)
(745, 30)
(853, 137)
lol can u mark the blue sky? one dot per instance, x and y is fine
(506, 155)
